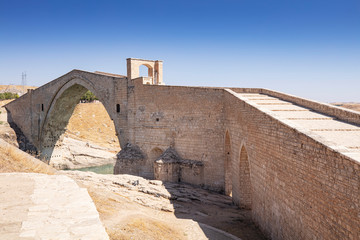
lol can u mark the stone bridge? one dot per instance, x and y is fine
(294, 162)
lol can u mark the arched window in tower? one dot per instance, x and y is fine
(145, 71)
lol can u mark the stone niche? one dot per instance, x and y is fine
(171, 167)
(128, 160)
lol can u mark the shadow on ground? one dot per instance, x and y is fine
(212, 210)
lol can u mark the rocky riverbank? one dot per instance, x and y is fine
(81, 154)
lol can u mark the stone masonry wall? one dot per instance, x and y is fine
(188, 119)
(300, 188)
(21, 114)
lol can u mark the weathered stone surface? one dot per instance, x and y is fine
(38, 206)
(159, 196)
(80, 154)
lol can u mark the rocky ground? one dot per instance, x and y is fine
(6, 132)
(81, 154)
(132, 207)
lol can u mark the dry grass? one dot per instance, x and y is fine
(126, 220)
(15, 160)
(91, 122)
(144, 228)
(18, 88)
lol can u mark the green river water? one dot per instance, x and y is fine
(102, 169)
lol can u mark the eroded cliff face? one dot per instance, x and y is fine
(6, 132)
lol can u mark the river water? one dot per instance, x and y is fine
(102, 169)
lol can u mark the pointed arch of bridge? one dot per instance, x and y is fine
(62, 106)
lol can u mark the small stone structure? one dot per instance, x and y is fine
(129, 161)
(294, 162)
(172, 168)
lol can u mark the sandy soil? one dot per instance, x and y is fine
(91, 122)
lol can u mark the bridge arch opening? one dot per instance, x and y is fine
(76, 132)
(244, 180)
(228, 165)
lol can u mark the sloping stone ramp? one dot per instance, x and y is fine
(339, 135)
(39, 206)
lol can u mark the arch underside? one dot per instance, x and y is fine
(57, 119)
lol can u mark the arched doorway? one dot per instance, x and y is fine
(244, 180)
(227, 165)
(154, 154)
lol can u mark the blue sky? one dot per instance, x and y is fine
(306, 48)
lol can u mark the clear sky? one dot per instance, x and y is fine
(309, 48)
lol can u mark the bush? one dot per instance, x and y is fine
(88, 97)
(8, 95)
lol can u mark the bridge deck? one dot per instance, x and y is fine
(338, 133)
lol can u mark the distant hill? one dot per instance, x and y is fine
(19, 89)
(352, 106)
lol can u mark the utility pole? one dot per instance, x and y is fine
(23, 81)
